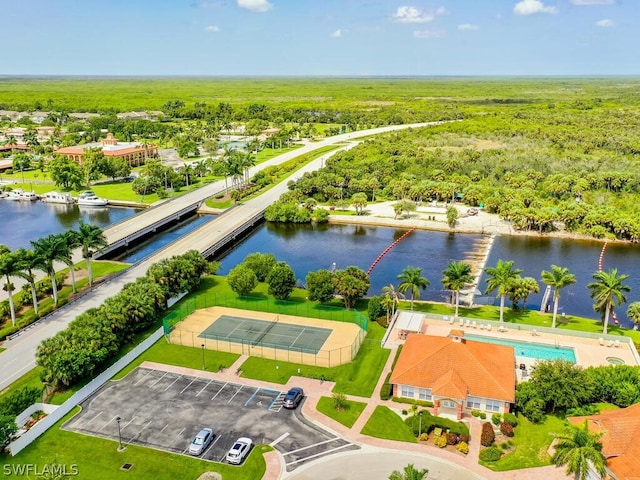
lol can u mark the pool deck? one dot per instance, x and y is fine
(588, 351)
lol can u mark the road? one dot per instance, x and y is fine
(19, 356)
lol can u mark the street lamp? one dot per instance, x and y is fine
(420, 425)
(120, 447)
(203, 366)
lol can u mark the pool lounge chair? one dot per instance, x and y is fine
(488, 326)
(616, 344)
(610, 343)
(474, 324)
(467, 323)
(601, 341)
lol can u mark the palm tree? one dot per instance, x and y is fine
(606, 290)
(92, 240)
(500, 277)
(456, 276)
(633, 312)
(9, 267)
(412, 279)
(558, 278)
(390, 299)
(71, 242)
(50, 249)
(409, 473)
(581, 451)
(27, 262)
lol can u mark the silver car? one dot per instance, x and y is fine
(201, 441)
(239, 450)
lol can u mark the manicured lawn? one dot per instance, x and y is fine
(384, 423)
(346, 417)
(531, 443)
(98, 459)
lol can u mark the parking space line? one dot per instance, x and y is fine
(143, 378)
(221, 388)
(127, 424)
(254, 394)
(140, 432)
(211, 445)
(154, 384)
(279, 439)
(311, 446)
(237, 392)
(96, 416)
(326, 452)
(177, 378)
(164, 428)
(204, 388)
(276, 398)
(188, 385)
(107, 423)
(179, 433)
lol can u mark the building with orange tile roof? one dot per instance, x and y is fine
(457, 375)
(133, 152)
(619, 442)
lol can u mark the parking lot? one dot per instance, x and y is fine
(166, 410)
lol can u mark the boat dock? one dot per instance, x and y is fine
(478, 260)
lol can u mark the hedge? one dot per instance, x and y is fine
(429, 422)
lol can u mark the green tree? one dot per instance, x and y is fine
(8, 429)
(352, 283)
(452, 216)
(359, 201)
(409, 473)
(561, 384)
(50, 249)
(633, 312)
(92, 240)
(581, 451)
(456, 276)
(411, 279)
(65, 173)
(29, 261)
(320, 286)
(607, 289)
(558, 278)
(71, 242)
(260, 263)
(390, 299)
(500, 278)
(9, 267)
(242, 280)
(281, 280)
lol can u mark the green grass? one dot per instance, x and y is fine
(346, 417)
(384, 423)
(531, 442)
(98, 458)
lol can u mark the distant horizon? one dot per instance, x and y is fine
(230, 76)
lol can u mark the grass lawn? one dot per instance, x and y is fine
(386, 424)
(98, 458)
(346, 417)
(531, 443)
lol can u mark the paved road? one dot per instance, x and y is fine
(19, 357)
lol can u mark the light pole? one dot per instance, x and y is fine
(120, 447)
(420, 425)
(203, 365)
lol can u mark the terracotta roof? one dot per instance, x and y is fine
(619, 442)
(457, 368)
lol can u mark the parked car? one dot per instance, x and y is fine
(293, 397)
(201, 441)
(239, 451)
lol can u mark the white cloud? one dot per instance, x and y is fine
(212, 28)
(428, 33)
(468, 26)
(529, 7)
(605, 23)
(255, 5)
(336, 34)
(408, 14)
(593, 2)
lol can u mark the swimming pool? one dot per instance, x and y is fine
(531, 350)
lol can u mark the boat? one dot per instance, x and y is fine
(28, 197)
(90, 199)
(13, 195)
(57, 197)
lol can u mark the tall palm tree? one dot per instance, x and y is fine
(581, 451)
(71, 242)
(411, 279)
(409, 473)
(390, 299)
(558, 278)
(27, 262)
(606, 290)
(456, 276)
(92, 240)
(9, 267)
(50, 249)
(499, 279)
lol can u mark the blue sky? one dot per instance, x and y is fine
(320, 37)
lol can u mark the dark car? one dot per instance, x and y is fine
(293, 397)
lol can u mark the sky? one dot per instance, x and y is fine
(320, 37)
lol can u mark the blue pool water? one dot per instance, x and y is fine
(531, 350)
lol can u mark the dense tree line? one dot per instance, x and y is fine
(97, 335)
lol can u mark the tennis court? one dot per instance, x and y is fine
(269, 335)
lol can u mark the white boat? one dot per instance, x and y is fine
(13, 195)
(57, 197)
(28, 197)
(90, 199)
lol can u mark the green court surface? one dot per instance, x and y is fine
(285, 336)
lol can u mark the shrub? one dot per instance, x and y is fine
(17, 401)
(424, 436)
(506, 429)
(463, 447)
(374, 309)
(504, 445)
(496, 419)
(511, 419)
(420, 403)
(440, 441)
(491, 454)
(483, 415)
(404, 412)
(475, 413)
(452, 438)
(382, 321)
(429, 422)
(386, 389)
(488, 436)
(340, 401)
(464, 438)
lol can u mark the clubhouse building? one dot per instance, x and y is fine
(135, 153)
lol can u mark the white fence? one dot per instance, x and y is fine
(43, 425)
(24, 417)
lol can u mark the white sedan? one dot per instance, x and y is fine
(239, 450)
